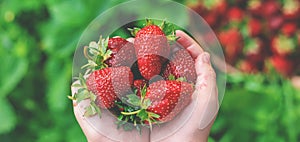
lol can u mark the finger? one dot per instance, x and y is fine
(206, 90)
(188, 43)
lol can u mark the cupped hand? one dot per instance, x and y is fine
(187, 126)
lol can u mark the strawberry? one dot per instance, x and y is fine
(121, 49)
(274, 23)
(289, 29)
(235, 14)
(270, 8)
(139, 84)
(181, 65)
(232, 42)
(282, 45)
(254, 27)
(109, 83)
(221, 6)
(161, 101)
(151, 45)
(247, 66)
(282, 65)
(210, 18)
(168, 97)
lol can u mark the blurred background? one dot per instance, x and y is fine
(260, 39)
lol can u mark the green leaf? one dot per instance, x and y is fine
(93, 97)
(181, 79)
(143, 115)
(143, 91)
(171, 77)
(7, 117)
(146, 103)
(97, 109)
(90, 111)
(82, 95)
(133, 31)
(134, 100)
(58, 79)
(12, 71)
(154, 115)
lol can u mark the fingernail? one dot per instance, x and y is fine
(206, 58)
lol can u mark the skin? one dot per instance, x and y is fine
(187, 126)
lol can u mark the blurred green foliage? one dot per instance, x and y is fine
(258, 107)
(37, 42)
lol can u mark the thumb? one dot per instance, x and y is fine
(206, 90)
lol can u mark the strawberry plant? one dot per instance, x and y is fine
(273, 24)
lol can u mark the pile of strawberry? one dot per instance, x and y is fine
(256, 35)
(148, 81)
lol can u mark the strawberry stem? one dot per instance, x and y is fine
(131, 113)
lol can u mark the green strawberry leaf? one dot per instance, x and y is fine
(134, 100)
(82, 95)
(90, 111)
(168, 28)
(146, 103)
(154, 115)
(98, 111)
(143, 115)
(181, 79)
(171, 77)
(133, 31)
(144, 91)
(77, 85)
(92, 96)
(149, 22)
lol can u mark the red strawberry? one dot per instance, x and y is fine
(139, 84)
(270, 8)
(221, 6)
(151, 45)
(275, 22)
(282, 65)
(232, 42)
(289, 29)
(254, 27)
(123, 53)
(283, 45)
(247, 66)
(168, 98)
(210, 18)
(235, 14)
(181, 65)
(109, 83)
